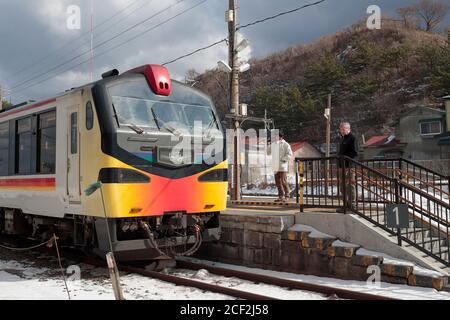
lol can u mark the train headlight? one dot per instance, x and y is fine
(120, 175)
(219, 175)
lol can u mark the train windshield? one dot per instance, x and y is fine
(136, 106)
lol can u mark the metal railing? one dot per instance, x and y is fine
(361, 189)
(317, 183)
(414, 174)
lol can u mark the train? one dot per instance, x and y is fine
(117, 134)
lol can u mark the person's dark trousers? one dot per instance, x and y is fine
(350, 186)
(282, 184)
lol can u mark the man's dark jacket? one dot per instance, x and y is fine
(348, 146)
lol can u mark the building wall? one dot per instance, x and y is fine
(257, 168)
(447, 110)
(308, 151)
(371, 153)
(419, 147)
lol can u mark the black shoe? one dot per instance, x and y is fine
(340, 210)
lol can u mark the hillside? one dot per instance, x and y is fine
(373, 76)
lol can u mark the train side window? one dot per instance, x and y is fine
(23, 146)
(74, 133)
(4, 148)
(46, 150)
(89, 116)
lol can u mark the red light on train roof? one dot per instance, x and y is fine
(157, 76)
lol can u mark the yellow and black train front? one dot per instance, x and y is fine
(162, 166)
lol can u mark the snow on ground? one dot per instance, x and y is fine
(239, 284)
(386, 289)
(23, 281)
(418, 270)
(40, 279)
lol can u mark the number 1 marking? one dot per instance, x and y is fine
(397, 220)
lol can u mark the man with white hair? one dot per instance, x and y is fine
(348, 147)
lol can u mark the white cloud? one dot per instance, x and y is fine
(52, 13)
(71, 79)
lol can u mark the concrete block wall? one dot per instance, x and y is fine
(276, 243)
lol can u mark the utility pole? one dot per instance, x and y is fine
(328, 117)
(234, 95)
(266, 127)
(91, 58)
(328, 143)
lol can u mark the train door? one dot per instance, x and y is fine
(73, 155)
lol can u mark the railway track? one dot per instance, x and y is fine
(330, 292)
(258, 278)
(181, 281)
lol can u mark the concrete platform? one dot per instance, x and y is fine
(281, 239)
(263, 201)
(259, 211)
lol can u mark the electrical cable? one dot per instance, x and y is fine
(98, 45)
(112, 48)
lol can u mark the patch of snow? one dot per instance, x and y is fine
(201, 274)
(385, 289)
(248, 286)
(420, 271)
(313, 232)
(22, 281)
(339, 243)
(387, 259)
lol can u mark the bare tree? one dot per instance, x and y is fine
(431, 12)
(191, 76)
(407, 14)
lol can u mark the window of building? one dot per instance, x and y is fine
(46, 157)
(430, 128)
(89, 116)
(4, 148)
(23, 146)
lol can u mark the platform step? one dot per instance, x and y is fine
(432, 244)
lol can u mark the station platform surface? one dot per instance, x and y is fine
(264, 202)
(259, 211)
(266, 205)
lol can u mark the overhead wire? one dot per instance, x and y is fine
(246, 26)
(97, 46)
(279, 15)
(194, 52)
(39, 61)
(180, 57)
(112, 48)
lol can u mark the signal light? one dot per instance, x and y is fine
(157, 76)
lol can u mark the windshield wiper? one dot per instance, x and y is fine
(156, 119)
(130, 125)
(165, 125)
(135, 128)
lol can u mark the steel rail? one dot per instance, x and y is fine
(326, 290)
(196, 284)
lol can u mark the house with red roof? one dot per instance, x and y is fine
(418, 136)
(385, 146)
(302, 149)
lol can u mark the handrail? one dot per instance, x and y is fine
(400, 168)
(407, 161)
(424, 168)
(427, 184)
(429, 213)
